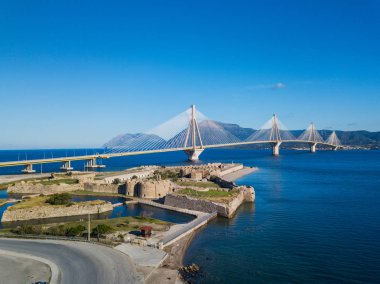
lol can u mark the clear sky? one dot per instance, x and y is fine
(77, 73)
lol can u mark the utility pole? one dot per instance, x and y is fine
(89, 228)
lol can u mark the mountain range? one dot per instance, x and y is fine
(357, 138)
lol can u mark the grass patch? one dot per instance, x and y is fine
(212, 195)
(79, 228)
(204, 184)
(56, 181)
(41, 201)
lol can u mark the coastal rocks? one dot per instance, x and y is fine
(208, 206)
(40, 212)
(193, 268)
(223, 183)
(190, 273)
(30, 188)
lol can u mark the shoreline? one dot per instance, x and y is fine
(178, 249)
(239, 173)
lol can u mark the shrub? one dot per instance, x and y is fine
(25, 229)
(59, 199)
(170, 175)
(56, 230)
(75, 231)
(102, 229)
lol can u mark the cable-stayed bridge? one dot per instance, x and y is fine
(192, 132)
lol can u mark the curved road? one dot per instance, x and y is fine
(79, 262)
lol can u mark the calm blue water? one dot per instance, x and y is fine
(315, 218)
(150, 211)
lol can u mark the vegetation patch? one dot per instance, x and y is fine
(59, 199)
(168, 174)
(98, 227)
(204, 184)
(213, 195)
(42, 201)
(56, 181)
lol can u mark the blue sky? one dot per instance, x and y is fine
(77, 73)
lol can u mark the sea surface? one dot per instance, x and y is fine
(316, 217)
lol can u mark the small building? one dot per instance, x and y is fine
(146, 231)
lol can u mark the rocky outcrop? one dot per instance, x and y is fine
(30, 188)
(223, 183)
(50, 211)
(208, 206)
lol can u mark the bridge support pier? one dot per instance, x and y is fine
(193, 155)
(276, 148)
(313, 147)
(92, 164)
(28, 169)
(66, 166)
(335, 148)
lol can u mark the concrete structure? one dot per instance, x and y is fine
(276, 148)
(193, 154)
(66, 166)
(92, 164)
(28, 169)
(313, 147)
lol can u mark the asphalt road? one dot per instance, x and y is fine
(79, 262)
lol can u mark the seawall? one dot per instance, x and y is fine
(209, 206)
(50, 211)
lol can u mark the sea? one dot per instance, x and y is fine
(316, 217)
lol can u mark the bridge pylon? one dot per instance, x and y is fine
(275, 136)
(193, 138)
(334, 141)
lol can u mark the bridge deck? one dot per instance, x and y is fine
(111, 155)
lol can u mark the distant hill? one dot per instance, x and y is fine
(359, 138)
